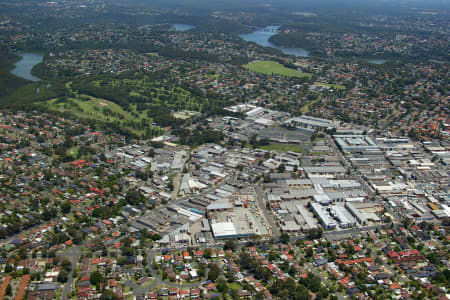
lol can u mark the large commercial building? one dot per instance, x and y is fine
(355, 143)
(307, 123)
(325, 218)
(343, 216)
(310, 124)
(325, 171)
(395, 144)
(362, 212)
(224, 230)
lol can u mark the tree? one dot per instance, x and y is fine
(406, 222)
(272, 255)
(155, 237)
(412, 134)
(66, 264)
(95, 278)
(315, 233)
(309, 252)
(36, 276)
(260, 295)
(230, 245)
(222, 285)
(214, 272)
(8, 268)
(103, 157)
(108, 295)
(8, 290)
(65, 207)
(281, 168)
(63, 276)
(231, 275)
(170, 185)
(284, 238)
(49, 213)
(201, 270)
(312, 282)
(207, 253)
(262, 273)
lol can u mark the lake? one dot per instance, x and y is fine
(182, 27)
(261, 37)
(23, 67)
(376, 61)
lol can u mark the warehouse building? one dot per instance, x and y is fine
(224, 230)
(355, 143)
(324, 217)
(307, 123)
(361, 214)
(345, 219)
(325, 171)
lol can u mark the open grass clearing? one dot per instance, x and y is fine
(235, 286)
(88, 107)
(95, 108)
(305, 108)
(274, 68)
(185, 114)
(333, 86)
(73, 151)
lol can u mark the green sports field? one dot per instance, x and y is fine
(275, 68)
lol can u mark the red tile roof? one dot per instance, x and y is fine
(3, 286)
(395, 286)
(20, 292)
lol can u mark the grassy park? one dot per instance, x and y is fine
(94, 108)
(88, 107)
(334, 86)
(272, 67)
(185, 114)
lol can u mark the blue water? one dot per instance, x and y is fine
(25, 64)
(182, 27)
(261, 37)
(377, 61)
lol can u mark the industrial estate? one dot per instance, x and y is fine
(238, 150)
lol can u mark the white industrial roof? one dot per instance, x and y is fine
(218, 205)
(222, 229)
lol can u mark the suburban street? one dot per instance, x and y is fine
(74, 254)
(313, 270)
(140, 291)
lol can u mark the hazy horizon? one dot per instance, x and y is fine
(305, 4)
